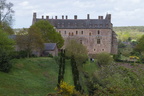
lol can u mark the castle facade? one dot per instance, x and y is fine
(96, 34)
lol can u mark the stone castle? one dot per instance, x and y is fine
(96, 34)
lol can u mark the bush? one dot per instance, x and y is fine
(114, 80)
(104, 59)
(5, 65)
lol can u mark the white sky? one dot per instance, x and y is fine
(124, 12)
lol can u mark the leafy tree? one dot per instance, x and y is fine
(6, 12)
(49, 33)
(140, 46)
(77, 50)
(104, 59)
(30, 40)
(6, 28)
(6, 47)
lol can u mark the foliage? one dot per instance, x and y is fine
(6, 12)
(114, 80)
(29, 40)
(6, 47)
(129, 33)
(140, 46)
(104, 59)
(6, 28)
(126, 51)
(49, 33)
(78, 50)
(68, 90)
(61, 67)
(75, 73)
(65, 89)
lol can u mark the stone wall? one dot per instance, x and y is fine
(95, 40)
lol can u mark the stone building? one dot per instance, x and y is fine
(96, 34)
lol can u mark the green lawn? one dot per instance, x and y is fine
(68, 73)
(29, 77)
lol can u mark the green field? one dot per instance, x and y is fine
(30, 77)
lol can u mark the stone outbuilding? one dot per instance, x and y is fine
(50, 48)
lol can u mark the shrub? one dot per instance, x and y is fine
(5, 65)
(65, 89)
(104, 59)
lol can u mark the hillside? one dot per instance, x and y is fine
(129, 29)
(29, 77)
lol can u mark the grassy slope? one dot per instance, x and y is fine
(29, 77)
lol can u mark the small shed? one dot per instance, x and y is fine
(50, 48)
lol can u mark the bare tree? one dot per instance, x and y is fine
(6, 12)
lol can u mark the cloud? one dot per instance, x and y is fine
(24, 3)
(124, 12)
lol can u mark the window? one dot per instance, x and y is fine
(94, 49)
(65, 32)
(98, 41)
(98, 32)
(102, 49)
(81, 32)
(69, 33)
(76, 32)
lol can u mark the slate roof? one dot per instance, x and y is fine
(49, 46)
(79, 23)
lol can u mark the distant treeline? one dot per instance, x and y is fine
(129, 29)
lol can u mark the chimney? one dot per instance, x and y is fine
(101, 17)
(55, 17)
(88, 16)
(109, 17)
(42, 17)
(66, 17)
(75, 16)
(34, 18)
(34, 15)
(62, 17)
(47, 17)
